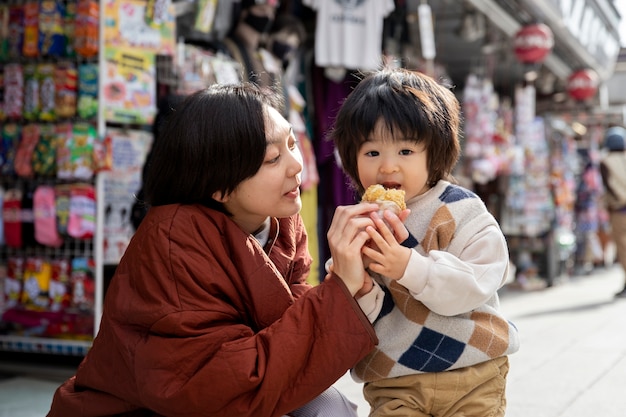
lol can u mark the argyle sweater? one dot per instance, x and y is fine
(443, 313)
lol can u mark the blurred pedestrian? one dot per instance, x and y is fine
(613, 171)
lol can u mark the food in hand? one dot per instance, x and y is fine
(386, 198)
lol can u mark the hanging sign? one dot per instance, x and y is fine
(582, 84)
(427, 34)
(533, 43)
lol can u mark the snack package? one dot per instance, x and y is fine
(44, 206)
(13, 90)
(83, 284)
(51, 33)
(32, 105)
(44, 155)
(12, 217)
(82, 218)
(62, 207)
(13, 281)
(60, 286)
(30, 47)
(8, 146)
(37, 275)
(86, 30)
(88, 90)
(66, 89)
(16, 31)
(25, 150)
(4, 32)
(47, 93)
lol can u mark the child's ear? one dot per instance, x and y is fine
(220, 196)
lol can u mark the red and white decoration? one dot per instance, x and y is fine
(533, 43)
(582, 84)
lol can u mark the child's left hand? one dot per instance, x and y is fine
(385, 255)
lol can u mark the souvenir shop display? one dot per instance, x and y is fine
(66, 151)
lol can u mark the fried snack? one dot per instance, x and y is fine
(386, 198)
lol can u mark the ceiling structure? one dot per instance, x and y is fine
(476, 36)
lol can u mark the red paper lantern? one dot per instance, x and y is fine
(582, 84)
(533, 43)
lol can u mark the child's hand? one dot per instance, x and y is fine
(386, 256)
(396, 223)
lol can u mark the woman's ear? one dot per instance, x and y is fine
(220, 196)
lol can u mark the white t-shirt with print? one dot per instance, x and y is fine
(349, 33)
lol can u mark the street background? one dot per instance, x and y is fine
(572, 361)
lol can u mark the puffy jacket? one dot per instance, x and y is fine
(200, 320)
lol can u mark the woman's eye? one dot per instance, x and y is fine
(293, 145)
(273, 160)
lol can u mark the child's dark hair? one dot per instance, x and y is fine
(413, 107)
(212, 141)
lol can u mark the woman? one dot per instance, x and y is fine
(209, 312)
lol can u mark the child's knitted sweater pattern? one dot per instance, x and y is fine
(444, 223)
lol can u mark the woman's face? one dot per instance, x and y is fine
(274, 191)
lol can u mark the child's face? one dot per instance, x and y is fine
(393, 162)
(274, 190)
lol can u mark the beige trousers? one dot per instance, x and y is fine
(476, 391)
(618, 231)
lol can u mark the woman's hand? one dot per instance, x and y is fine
(385, 255)
(346, 237)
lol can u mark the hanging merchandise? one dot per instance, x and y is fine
(129, 86)
(87, 105)
(65, 90)
(533, 43)
(52, 39)
(86, 32)
(75, 151)
(479, 120)
(16, 31)
(46, 145)
(582, 84)
(82, 219)
(4, 32)
(205, 15)
(134, 24)
(30, 45)
(529, 207)
(119, 188)
(349, 34)
(13, 90)
(427, 34)
(44, 208)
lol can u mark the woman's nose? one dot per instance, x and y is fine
(296, 164)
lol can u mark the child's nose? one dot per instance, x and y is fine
(388, 165)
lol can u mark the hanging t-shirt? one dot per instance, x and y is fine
(349, 33)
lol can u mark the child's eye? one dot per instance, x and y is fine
(372, 153)
(293, 145)
(406, 152)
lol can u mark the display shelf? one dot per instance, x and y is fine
(21, 341)
(44, 345)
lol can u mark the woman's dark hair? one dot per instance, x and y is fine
(212, 141)
(413, 106)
